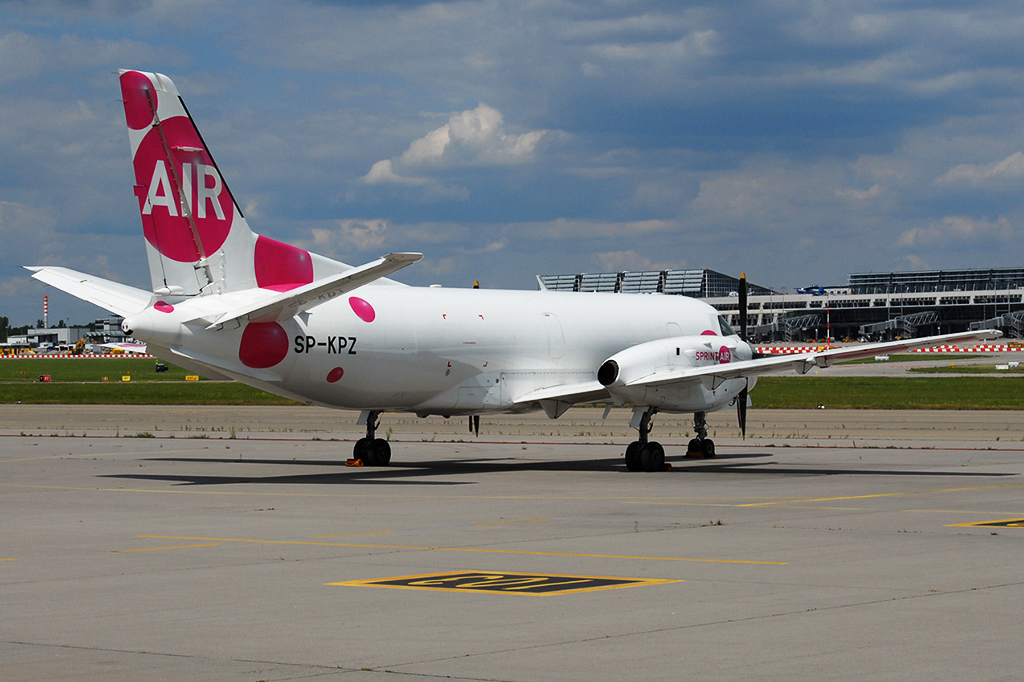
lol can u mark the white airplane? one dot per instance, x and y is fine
(233, 304)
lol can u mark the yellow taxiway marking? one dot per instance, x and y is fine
(342, 535)
(8, 559)
(468, 549)
(998, 523)
(865, 497)
(153, 549)
(28, 459)
(505, 523)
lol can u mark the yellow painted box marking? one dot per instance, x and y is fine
(505, 582)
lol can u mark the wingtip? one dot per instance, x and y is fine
(403, 256)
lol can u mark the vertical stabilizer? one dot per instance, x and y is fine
(197, 239)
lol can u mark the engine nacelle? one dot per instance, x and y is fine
(667, 357)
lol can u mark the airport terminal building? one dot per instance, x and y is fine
(875, 306)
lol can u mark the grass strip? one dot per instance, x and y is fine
(915, 357)
(141, 393)
(967, 369)
(889, 393)
(89, 369)
(80, 382)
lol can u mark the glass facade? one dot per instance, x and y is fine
(697, 282)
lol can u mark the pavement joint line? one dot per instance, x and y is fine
(153, 549)
(341, 535)
(33, 459)
(505, 523)
(466, 549)
(807, 507)
(781, 504)
(607, 498)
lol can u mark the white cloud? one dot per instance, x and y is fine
(472, 137)
(347, 236)
(27, 56)
(1010, 168)
(579, 229)
(860, 195)
(952, 229)
(617, 261)
(696, 44)
(382, 172)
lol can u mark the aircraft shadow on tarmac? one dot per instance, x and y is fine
(400, 473)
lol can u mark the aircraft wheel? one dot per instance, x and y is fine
(633, 462)
(361, 450)
(694, 448)
(652, 456)
(708, 448)
(381, 453)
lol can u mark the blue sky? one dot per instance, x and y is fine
(795, 141)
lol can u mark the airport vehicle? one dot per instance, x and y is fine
(227, 302)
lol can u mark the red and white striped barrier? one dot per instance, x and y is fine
(57, 356)
(976, 349)
(796, 350)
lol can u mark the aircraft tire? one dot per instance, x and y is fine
(694, 448)
(633, 462)
(361, 450)
(652, 456)
(381, 452)
(708, 448)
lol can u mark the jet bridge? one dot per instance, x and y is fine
(1013, 323)
(905, 325)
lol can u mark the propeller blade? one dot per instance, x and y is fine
(741, 411)
(743, 305)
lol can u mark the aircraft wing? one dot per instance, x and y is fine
(118, 298)
(557, 399)
(584, 392)
(802, 363)
(290, 303)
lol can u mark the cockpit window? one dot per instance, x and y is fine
(726, 329)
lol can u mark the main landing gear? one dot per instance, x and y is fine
(700, 447)
(645, 455)
(370, 451)
(648, 455)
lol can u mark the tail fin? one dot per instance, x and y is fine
(197, 239)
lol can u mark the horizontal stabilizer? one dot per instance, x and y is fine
(119, 299)
(290, 303)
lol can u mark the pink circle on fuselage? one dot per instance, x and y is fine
(280, 266)
(264, 344)
(335, 374)
(708, 332)
(137, 109)
(363, 310)
(163, 307)
(724, 355)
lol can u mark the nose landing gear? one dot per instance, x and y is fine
(700, 447)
